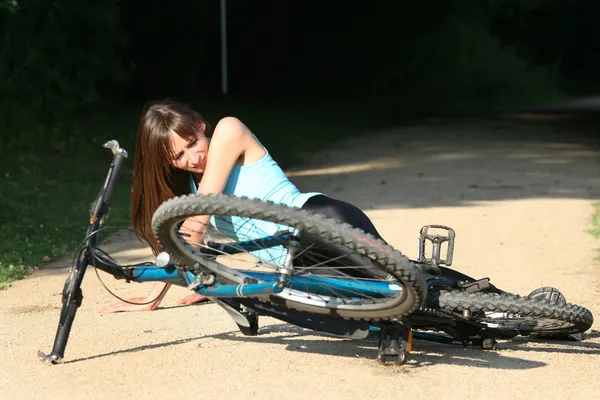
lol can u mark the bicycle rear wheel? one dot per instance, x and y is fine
(238, 222)
(512, 312)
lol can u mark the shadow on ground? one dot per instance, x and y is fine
(424, 353)
(458, 163)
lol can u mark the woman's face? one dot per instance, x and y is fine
(190, 154)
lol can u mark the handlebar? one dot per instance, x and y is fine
(102, 204)
(119, 155)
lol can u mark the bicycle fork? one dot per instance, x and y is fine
(72, 297)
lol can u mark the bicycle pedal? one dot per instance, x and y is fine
(395, 343)
(436, 240)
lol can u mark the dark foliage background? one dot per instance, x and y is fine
(60, 58)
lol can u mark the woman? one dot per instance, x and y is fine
(174, 148)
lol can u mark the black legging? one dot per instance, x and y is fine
(343, 212)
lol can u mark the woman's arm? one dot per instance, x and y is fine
(231, 141)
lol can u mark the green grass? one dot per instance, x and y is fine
(47, 186)
(45, 199)
(596, 224)
(596, 220)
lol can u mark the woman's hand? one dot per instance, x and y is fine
(193, 229)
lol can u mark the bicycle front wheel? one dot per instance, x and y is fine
(386, 285)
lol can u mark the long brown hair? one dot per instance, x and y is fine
(154, 179)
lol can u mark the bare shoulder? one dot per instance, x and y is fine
(232, 132)
(231, 127)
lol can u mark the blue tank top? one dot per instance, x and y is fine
(264, 180)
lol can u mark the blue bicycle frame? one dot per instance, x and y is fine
(268, 283)
(263, 283)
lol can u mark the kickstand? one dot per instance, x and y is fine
(395, 342)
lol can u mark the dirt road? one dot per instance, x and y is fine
(521, 207)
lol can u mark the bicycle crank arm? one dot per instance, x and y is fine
(238, 317)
